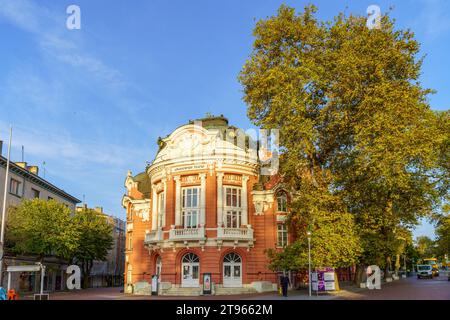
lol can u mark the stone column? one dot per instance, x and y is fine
(219, 199)
(202, 198)
(244, 201)
(177, 200)
(163, 214)
(154, 208)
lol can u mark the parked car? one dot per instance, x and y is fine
(424, 271)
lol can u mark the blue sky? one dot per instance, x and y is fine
(91, 103)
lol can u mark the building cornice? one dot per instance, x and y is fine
(37, 180)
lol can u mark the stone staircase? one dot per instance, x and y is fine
(231, 291)
(179, 291)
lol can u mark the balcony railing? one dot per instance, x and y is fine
(154, 236)
(235, 233)
(187, 234)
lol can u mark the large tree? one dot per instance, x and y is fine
(442, 249)
(94, 242)
(42, 228)
(425, 247)
(355, 126)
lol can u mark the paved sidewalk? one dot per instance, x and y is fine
(116, 294)
(409, 288)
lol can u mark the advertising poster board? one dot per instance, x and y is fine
(323, 280)
(207, 287)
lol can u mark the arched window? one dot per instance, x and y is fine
(232, 257)
(190, 258)
(281, 201)
(158, 266)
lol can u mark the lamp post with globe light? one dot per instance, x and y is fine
(308, 233)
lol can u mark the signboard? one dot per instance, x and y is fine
(323, 280)
(207, 286)
(190, 168)
(154, 285)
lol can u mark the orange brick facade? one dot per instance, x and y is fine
(229, 212)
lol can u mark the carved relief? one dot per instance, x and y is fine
(262, 200)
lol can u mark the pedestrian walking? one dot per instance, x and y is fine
(285, 282)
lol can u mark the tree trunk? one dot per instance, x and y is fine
(386, 268)
(86, 269)
(359, 272)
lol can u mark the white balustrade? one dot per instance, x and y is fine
(154, 236)
(187, 234)
(235, 233)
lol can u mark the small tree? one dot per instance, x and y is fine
(95, 240)
(43, 228)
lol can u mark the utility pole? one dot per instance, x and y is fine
(2, 230)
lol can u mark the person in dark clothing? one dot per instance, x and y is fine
(285, 282)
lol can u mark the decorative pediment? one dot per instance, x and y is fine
(141, 210)
(194, 141)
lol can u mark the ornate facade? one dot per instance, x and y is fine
(202, 207)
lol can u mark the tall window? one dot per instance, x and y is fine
(282, 235)
(130, 241)
(281, 202)
(191, 207)
(233, 207)
(161, 209)
(15, 187)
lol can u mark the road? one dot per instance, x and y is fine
(405, 289)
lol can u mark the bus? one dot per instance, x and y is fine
(431, 261)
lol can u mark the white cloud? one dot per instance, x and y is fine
(61, 147)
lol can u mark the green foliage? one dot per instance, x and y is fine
(356, 132)
(50, 228)
(95, 236)
(443, 237)
(425, 247)
(42, 228)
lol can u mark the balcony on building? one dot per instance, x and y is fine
(187, 234)
(153, 237)
(235, 233)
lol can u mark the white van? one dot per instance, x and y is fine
(424, 271)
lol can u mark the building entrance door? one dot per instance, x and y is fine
(232, 271)
(190, 269)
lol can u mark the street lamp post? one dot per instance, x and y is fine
(309, 261)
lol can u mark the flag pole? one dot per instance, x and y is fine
(2, 231)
